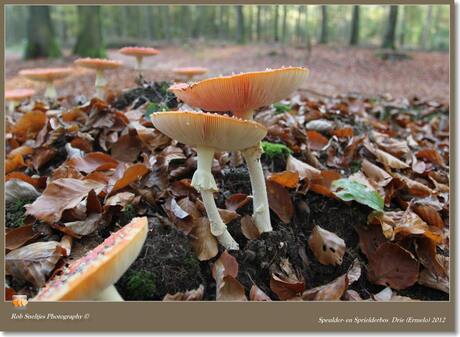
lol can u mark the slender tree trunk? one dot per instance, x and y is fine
(354, 37)
(240, 24)
(41, 37)
(390, 33)
(402, 30)
(425, 36)
(89, 40)
(298, 34)
(284, 25)
(307, 34)
(324, 36)
(250, 22)
(259, 23)
(276, 33)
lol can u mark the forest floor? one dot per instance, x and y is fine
(333, 70)
(358, 185)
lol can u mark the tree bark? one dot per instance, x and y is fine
(389, 40)
(276, 33)
(240, 24)
(41, 37)
(89, 41)
(324, 36)
(259, 23)
(284, 25)
(425, 36)
(354, 37)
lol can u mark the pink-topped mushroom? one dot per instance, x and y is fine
(48, 75)
(100, 65)
(139, 53)
(16, 96)
(190, 72)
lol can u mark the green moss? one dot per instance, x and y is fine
(15, 213)
(141, 284)
(281, 108)
(127, 214)
(273, 150)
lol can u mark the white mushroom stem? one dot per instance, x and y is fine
(203, 181)
(12, 106)
(261, 214)
(109, 294)
(50, 91)
(101, 82)
(139, 63)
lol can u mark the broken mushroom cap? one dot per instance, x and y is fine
(243, 93)
(45, 74)
(98, 64)
(220, 132)
(18, 94)
(139, 51)
(100, 268)
(190, 71)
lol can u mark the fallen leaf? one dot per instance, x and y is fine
(327, 247)
(429, 279)
(343, 132)
(81, 228)
(190, 295)
(380, 176)
(288, 179)
(248, 228)
(322, 184)
(225, 271)
(316, 141)
(430, 155)
(285, 282)
(429, 214)
(414, 187)
(203, 242)
(16, 189)
(18, 237)
(42, 156)
(385, 158)
(332, 291)
(280, 201)
(28, 126)
(303, 169)
(370, 238)
(236, 201)
(120, 199)
(94, 161)
(14, 163)
(39, 182)
(256, 294)
(425, 249)
(129, 175)
(348, 190)
(127, 148)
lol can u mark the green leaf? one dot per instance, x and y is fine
(348, 190)
(153, 107)
(281, 108)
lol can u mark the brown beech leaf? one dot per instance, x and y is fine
(65, 171)
(411, 224)
(23, 150)
(322, 184)
(414, 187)
(395, 147)
(426, 253)
(29, 124)
(120, 199)
(130, 174)
(303, 169)
(375, 173)
(94, 161)
(370, 238)
(42, 156)
(256, 294)
(190, 295)
(14, 163)
(81, 228)
(127, 148)
(39, 182)
(393, 266)
(34, 262)
(385, 158)
(332, 291)
(288, 179)
(430, 155)
(343, 132)
(236, 201)
(351, 295)
(430, 279)
(327, 247)
(225, 271)
(248, 228)
(18, 237)
(66, 245)
(203, 242)
(280, 201)
(388, 295)
(316, 140)
(228, 215)
(429, 214)
(59, 195)
(286, 282)
(151, 138)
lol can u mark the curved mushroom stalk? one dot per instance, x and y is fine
(100, 84)
(261, 214)
(109, 294)
(203, 181)
(50, 91)
(139, 66)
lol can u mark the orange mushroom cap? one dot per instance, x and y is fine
(95, 63)
(220, 132)
(241, 93)
(190, 71)
(19, 94)
(45, 74)
(139, 51)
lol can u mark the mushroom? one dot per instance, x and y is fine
(190, 72)
(48, 75)
(99, 65)
(139, 53)
(242, 94)
(209, 133)
(16, 96)
(93, 276)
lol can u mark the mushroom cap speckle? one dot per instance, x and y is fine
(45, 74)
(190, 71)
(139, 51)
(95, 63)
(241, 93)
(19, 94)
(220, 132)
(99, 268)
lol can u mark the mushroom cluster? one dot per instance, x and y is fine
(210, 132)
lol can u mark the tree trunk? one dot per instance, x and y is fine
(425, 36)
(284, 25)
(240, 24)
(402, 30)
(390, 33)
(41, 38)
(259, 23)
(276, 33)
(89, 40)
(354, 37)
(323, 38)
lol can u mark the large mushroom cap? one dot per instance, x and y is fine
(139, 51)
(45, 74)
(190, 71)
(241, 93)
(99, 268)
(98, 64)
(220, 132)
(19, 94)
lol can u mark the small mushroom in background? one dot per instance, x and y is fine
(93, 276)
(48, 75)
(100, 65)
(210, 133)
(242, 94)
(16, 96)
(139, 53)
(190, 72)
